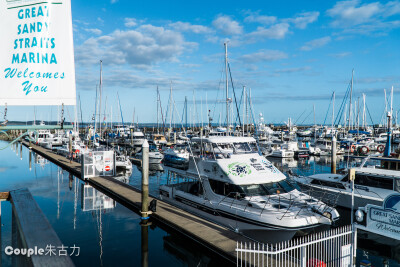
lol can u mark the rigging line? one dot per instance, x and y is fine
(300, 116)
(326, 115)
(240, 104)
(234, 94)
(370, 117)
(218, 91)
(342, 105)
(307, 117)
(162, 114)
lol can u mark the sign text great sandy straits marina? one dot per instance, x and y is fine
(37, 59)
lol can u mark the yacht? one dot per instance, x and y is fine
(230, 183)
(155, 156)
(371, 186)
(176, 156)
(122, 163)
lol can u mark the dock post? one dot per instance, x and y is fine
(70, 148)
(174, 137)
(145, 244)
(145, 181)
(333, 155)
(30, 159)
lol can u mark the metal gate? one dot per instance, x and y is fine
(98, 163)
(329, 248)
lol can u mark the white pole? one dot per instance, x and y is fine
(227, 88)
(244, 104)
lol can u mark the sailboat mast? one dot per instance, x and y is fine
(351, 93)
(186, 119)
(158, 99)
(100, 86)
(227, 88)
(333, 112)
(364, 114)
(244, 109)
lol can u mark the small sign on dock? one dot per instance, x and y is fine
(383, 220)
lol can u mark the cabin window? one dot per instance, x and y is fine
(241, 148)
(328, 184)
(372, 181)
(397, 185)
(253, 146)
(196, 189)
(226, 189)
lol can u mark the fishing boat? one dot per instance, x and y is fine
(233, 185)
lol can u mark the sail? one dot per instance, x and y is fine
(37, 56)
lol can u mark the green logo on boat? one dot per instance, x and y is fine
(239, 169)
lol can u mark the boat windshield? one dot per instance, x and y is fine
(268, 188)
(236, 148)
(153, 148)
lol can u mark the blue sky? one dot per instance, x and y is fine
(292, 54)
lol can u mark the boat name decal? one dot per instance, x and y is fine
(258, 167)
(270, 166)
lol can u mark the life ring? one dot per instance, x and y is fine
(380, 148)
(364, 150)
(352, 148)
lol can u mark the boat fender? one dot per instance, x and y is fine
(352, 148)
(364, 149)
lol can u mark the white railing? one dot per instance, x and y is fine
(97, 163)
(331, 248)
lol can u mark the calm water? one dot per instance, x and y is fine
(108, 237)
(112, 235)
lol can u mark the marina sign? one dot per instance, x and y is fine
(37, 57)
(383, 220)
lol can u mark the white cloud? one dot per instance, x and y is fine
(316, 43)
(114, 1)
(277, 31)
(94, 31)
(130, 22)
(227, 26)
(302, 20)
(342, 54)
(262, 56)
(141, 47)
(292, 70)
(348, 13)
(255, 17)
(187, 27)
(357, 18)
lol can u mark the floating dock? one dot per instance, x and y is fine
(217, 238)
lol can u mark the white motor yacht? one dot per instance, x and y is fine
(233, 185)
(155, 156)
(371, 186)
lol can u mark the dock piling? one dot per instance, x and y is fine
(333, 155)
(145, 181)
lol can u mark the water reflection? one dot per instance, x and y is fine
(92, 199)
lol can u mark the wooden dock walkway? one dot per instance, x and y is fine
(213, 236)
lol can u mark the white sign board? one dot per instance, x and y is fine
(36, 53)
(384, 220)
